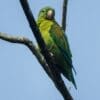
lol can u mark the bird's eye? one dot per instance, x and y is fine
(43, 11)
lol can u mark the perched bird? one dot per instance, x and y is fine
(56, 42)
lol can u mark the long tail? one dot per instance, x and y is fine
(73, 81)
(70, 77)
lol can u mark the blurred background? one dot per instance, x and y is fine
(22, 77)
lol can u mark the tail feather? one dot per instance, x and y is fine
(70, 77)
(73, 81)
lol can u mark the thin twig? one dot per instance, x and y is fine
(56, 77)
(64, 14)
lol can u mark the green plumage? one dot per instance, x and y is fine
(56, 42)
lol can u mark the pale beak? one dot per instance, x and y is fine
(50, 14)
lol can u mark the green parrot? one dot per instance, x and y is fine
(56, 42)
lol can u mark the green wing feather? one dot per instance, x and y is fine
(62, 42)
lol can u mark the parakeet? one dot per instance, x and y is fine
(56, 42)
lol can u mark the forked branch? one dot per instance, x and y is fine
(44, 57)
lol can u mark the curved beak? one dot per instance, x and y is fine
(50, 14)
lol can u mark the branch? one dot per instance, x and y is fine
(13, 39)
(64, 14)
(56, 77)
(29, 44)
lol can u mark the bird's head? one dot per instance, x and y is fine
(47, 13)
